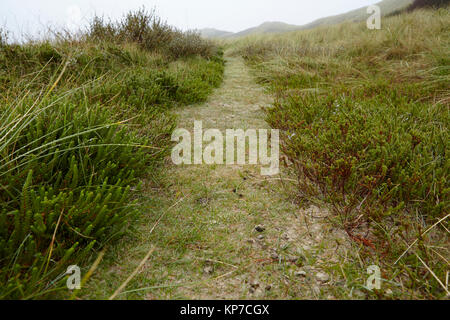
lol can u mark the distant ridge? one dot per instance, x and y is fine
(264, 28)
(267, 27)
(214, 33)
(387, 7)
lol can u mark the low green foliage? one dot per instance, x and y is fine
(356, 145)
(66, 170)
(197, 79)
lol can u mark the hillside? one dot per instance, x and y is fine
(387, 7)
(428, 3)
(266, 28)
(214, 33)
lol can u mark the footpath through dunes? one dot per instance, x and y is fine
(202, 225)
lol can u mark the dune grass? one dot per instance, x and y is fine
(82, 119)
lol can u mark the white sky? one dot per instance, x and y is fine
(32, 16)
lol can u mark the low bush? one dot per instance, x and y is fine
(197, 79)
(355, 148)
(147, 30)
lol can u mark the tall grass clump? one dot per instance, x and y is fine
(82, 120)
(3, 37)
(365, 116)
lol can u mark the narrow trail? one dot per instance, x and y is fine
(206, 243)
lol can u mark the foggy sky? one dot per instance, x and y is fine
(33, 16)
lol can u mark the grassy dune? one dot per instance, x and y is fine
(82, 119)
(85, 128)
(365, 121)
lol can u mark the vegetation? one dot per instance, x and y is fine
(149, 32)
(82, 118)
(428, 3)
(365, 122)
(3, 37)
(387, 7)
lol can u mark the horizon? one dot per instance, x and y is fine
(234, 16)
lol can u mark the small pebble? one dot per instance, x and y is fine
(322, 277)
(208, 270)
(359, 294)
(300, 274)
(274, 256)
(254, 284)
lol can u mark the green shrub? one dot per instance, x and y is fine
(67, 162)
(137, 90)
(189, 44)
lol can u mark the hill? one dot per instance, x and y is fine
(266, 28)
(387, 7)
(214, 33)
